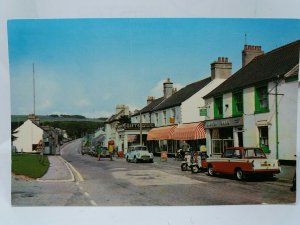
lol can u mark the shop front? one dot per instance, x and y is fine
(160, 139)
(133, 134)
(191, 133)
(223, 133)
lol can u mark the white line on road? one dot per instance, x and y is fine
(93, 202)
(86, 194)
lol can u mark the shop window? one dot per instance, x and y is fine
(218, 107)
(264, 139)
(237, 103)
(261, 99)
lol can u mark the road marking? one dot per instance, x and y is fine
(75, 173)
(93, 202)
(86, 194)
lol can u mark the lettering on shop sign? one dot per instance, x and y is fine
(229, 122)
(133, 126)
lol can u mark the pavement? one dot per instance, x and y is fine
(59, 171)
(62, 171)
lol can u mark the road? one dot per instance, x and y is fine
(118, 183)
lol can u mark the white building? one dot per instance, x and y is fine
(257, 106)
(27, 135)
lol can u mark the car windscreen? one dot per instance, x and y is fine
(254, 153)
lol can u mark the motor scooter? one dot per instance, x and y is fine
(179, 155)
(196, 161)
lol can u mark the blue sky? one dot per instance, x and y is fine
(88, 66)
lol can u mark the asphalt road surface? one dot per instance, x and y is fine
(118, 183)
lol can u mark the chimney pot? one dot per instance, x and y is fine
(250, 52)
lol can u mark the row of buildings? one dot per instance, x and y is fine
(256, 106)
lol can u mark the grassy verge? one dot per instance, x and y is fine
(30, 165)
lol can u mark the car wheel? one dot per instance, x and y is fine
(183, 167)
(210, 171)
(135, 160)
(239, 174)
(195, 169)
(127, 159)
(151, 160)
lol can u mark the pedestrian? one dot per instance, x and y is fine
(111, 151)
(99, 151)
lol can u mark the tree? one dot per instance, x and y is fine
(124, 119)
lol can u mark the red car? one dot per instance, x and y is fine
(241, 161)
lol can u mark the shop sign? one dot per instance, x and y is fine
(172, 119)
(135, 126)
(228, 122)
(203, 112)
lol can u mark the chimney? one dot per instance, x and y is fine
(168, 88)
(150, 99)
(250, 52)
(119, 108)
(221, 69)
(34, 118)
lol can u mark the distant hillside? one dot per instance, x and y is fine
(53, 118)
(76, 126)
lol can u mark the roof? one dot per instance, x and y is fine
(263, 68)
(114, 117)
(149, 107)
(183, 94)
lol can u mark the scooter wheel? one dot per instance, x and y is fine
(195, 169)
(184, 167)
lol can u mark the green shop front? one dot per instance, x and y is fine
(222, 133)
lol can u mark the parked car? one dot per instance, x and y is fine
(92, 151)
(139, 154)
(241, 161)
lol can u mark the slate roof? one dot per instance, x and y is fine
(263, 68)
(114, 117)
(149, 107)
(183, 94)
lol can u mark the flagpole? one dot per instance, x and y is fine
(33, 80)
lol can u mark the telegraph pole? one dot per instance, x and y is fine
(141, 133)
(33, 80)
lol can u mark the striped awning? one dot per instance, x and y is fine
(161, 133)
(189, 131)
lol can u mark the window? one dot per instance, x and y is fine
(156, 118)
(218, 107)
(164, 117)
(264, 139)
(173, 113)
(261, 99)
(237, 103)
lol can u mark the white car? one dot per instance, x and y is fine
(139, 154)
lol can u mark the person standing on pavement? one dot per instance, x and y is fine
(99, 151)
(111, 151)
